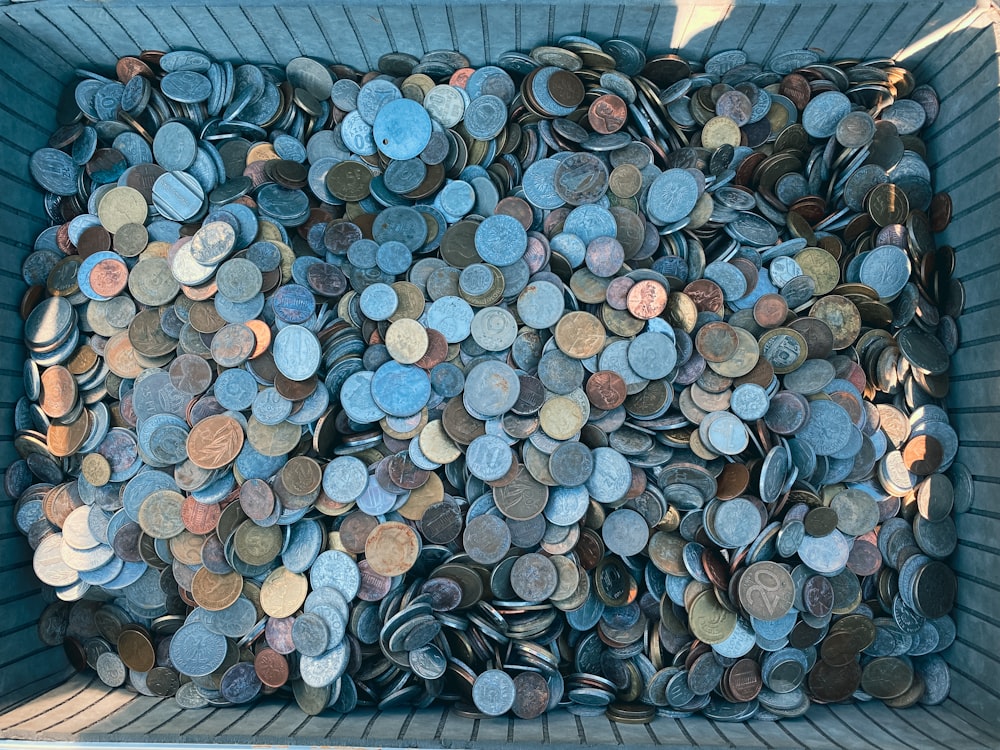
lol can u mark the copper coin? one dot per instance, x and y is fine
(516, 207)
(374, 586)
(732, 481)
(109, 277)
(606, 389)
(93, 240)
(199, 518)
(59, 392)
(531, 696)
(646, 299)
(65, 439)
(940, 212)
(214, 442)
(392, 549)
(770, 311)
(295, 390)
(607, 114)
(706, 295)
(355, 528)
(716, 342)
(190, 374)
(437, 350)
(262, 337)
(271, 667)
(566, 88)
(922, 455)
(744, 680)
(404, 473)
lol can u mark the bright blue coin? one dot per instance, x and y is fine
(402, 129)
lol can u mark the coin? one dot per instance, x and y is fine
(363, 356)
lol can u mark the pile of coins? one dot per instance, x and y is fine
(587, 380)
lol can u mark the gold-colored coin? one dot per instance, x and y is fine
(257, 545)
(96, 469)
(186, 547)
(273, 440)
(215, 592)
(621, 322)
(821, 267)
(709, 621)
(432, 491)
(720, 131)
(841, 315)
(283, 592)
(743, 361)
(411, 301)
(406, 341)
(121, 206)
(786, 349)
(625, 180)
(666, 551)
(160, 514)
(681, 312)
(349, 181)
(561, 418)
(436, 445)
(580, 335)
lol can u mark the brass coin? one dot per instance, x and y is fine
(215, 592)
(122, 206)
(580, 335)
(709, 621)
(136, 650)
(561, 418)
(841, 315)
(283, 592)
(821, 267)
(96, 469)
(257, 545)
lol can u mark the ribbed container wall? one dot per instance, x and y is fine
(952, 45)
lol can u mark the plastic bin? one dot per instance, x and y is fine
(952, 44)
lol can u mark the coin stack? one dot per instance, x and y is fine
(586, 379)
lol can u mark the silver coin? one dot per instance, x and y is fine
(493, 692)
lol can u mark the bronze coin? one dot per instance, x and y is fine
(716, 342)
(744, 680)
(940, 212)
(770, 311)
(834, 683)
(566, 88)
(404, 473)
(820, 521)
(531, 696)
(136, 650)
(355, 528)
